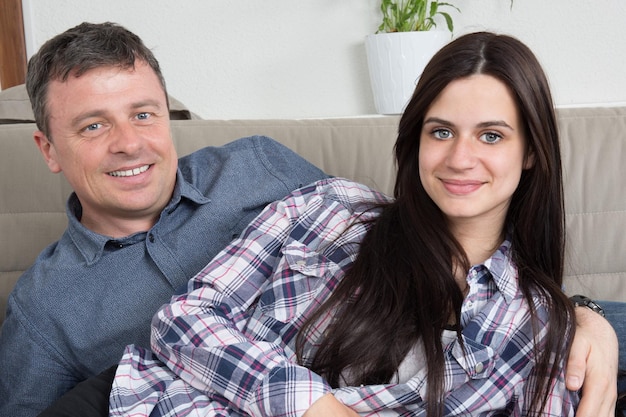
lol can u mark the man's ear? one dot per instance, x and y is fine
(46, 147)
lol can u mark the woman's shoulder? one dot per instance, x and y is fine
(330, 201)
(344, 191)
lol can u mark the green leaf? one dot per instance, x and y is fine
(414, 15)
(448, 21)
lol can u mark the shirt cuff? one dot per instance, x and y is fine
(287, 391)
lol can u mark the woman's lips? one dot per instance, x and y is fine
(461, 187)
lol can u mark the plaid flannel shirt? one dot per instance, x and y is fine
(226, 348)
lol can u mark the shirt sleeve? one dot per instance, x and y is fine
(559, 401)
(289, 167)
(201, 335)
(31, 376)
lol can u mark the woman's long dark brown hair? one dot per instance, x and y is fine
(401, 287)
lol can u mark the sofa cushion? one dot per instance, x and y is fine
(593, 144)
(15, 106)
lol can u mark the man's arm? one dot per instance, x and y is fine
(287, 165)
(593, 358)
(30, 379)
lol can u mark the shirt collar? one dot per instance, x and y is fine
(503, 271)
(187, 190)
(91, 244)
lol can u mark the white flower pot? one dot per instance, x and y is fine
(396, 61)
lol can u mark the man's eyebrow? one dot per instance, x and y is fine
(144, 103)
(87, 115)
(100, 113)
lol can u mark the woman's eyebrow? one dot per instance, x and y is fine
(437, 120)
(490, 123)
(487, 123)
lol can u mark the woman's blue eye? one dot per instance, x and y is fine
(442, 134)
(491, 137)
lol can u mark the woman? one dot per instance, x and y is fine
(445, 301)
(481, 133)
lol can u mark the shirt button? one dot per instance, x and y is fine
(151, 238)
(479, 367)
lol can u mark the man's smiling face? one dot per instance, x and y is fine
(110, 136)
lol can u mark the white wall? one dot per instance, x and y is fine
(305, 58)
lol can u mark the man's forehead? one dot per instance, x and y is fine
(107, 78)
(104, 89)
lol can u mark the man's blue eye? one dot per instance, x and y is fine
(143, 116)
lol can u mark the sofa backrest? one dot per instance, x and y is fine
(593, 143)
(32, 200)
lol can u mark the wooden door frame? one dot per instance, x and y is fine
(12, 44)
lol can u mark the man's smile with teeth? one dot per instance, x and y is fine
(129, 172)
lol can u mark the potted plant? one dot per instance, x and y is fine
(413, 15)
(405, 41)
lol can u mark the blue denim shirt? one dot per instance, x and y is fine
(88, 296)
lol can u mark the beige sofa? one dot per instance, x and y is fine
(32, 200)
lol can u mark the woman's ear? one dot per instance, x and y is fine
(46, 147)
(529, 160)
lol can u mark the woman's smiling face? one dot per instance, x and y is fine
(473, 151)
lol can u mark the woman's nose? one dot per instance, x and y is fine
(462, 153)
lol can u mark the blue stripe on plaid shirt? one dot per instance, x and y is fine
(226, 348)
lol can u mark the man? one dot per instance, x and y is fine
(142, 223)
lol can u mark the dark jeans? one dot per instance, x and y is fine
(90, 398)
